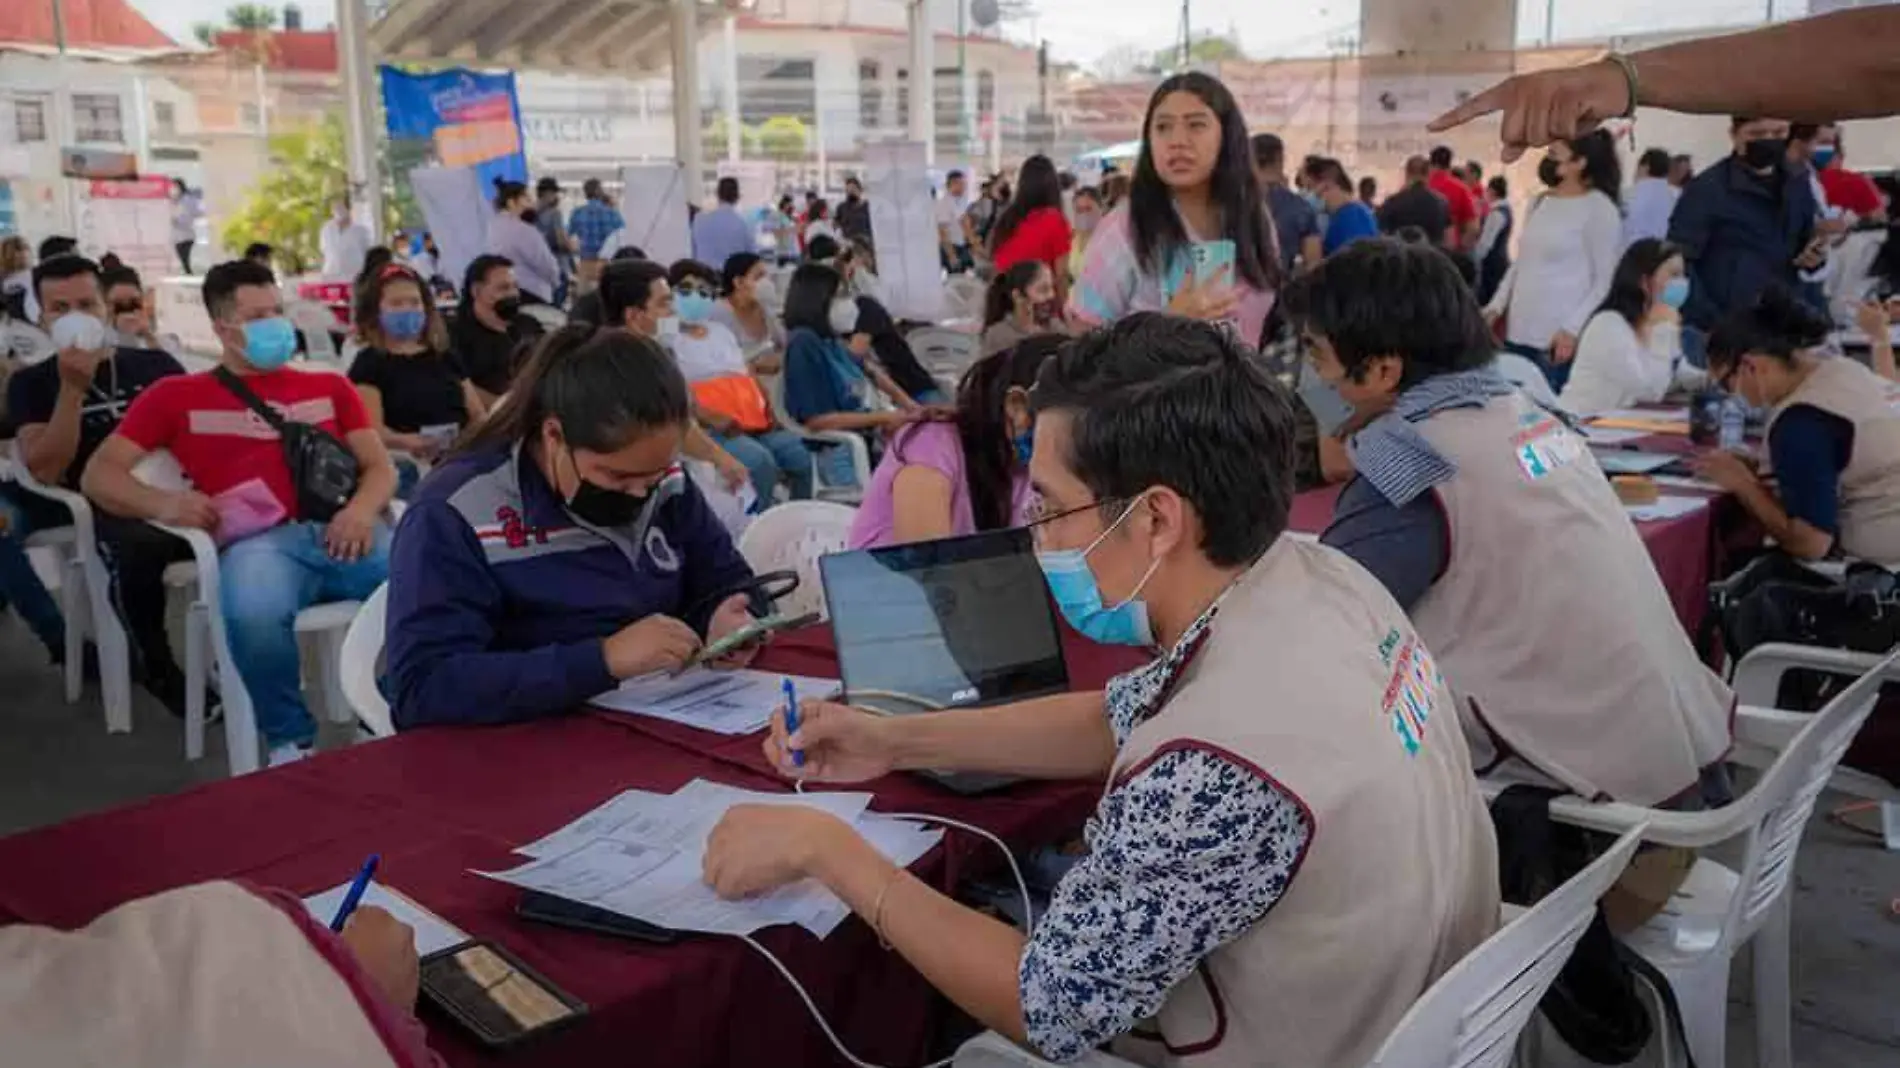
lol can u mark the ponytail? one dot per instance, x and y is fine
(998, 300)
(604, 386)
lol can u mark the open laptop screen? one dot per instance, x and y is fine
(960, 621)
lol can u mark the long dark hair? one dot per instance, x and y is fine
(998, 300)
(1037, 186)
(605, 386)
(506, 191)
(1628, 296)
(1232, 187)
(1601, 168)
(808, 298)
(982, 421)
(892, 351)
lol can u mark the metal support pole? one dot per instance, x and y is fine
(923, 81)
(687, 137)
(734, 143)
(359, 114)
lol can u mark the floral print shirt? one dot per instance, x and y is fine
(1184, 856)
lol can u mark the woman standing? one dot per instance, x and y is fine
(511, 236)
(1566, 256)
(1628, 352)
(416, 395)
(749, 289)
(1021, 303)
(1194, 200)
(1032, 228)
(1087, 209)
(967, 475)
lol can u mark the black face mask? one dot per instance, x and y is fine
(508, 307)
(599, 506)
(1764, 153)
(1547, 172)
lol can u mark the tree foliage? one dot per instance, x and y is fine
(783, 137)
(1205, 48)
(289, 206)
(254, 17)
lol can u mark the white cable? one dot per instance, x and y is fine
(811, 1006)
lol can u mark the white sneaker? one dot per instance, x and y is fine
(288, 754)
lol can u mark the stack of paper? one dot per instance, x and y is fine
(1666, 508)
(725, 702)
(640, 855)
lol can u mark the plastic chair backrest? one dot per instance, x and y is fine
(941, 350)
(966, 295)
(1527, 376)
(550, 317)
(791, 537)
(159, 469)
(362, 662)
(1472, 1016)
(314, 321)
(1783, 799)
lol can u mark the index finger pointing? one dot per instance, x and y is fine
(1484, 103)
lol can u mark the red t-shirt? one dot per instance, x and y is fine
(1464, 211)
(1043, 234)
(221, 443)
(1850, 191)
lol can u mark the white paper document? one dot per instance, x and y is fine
(1685, 482)
(724, 702)
(433, 933)
(1661, 415)
(1666, 508)
(1609, 435)
(640, 854)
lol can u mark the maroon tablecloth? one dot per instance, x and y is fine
(1684, 548)
(437, 803)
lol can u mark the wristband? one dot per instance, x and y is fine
(1628, 66)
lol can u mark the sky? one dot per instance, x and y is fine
(1083, 30)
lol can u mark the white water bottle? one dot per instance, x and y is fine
(1734, 420)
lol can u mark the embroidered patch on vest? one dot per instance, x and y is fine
(1545, 445)
(1410, 698)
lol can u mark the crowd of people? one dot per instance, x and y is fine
(1130, 407)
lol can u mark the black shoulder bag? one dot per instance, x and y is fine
(322, 468)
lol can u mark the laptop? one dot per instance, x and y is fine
(960, 622)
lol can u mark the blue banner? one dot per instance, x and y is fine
(468, 120)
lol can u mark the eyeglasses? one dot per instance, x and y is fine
(1037, 516)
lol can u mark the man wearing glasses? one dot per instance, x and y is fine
(1287, 770)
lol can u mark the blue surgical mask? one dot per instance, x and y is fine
(1823, 155)
(404, 325)
(1314, 201)
(1675, 293)
(1079, 596)
(1025, 443)
(693, 307)
(269, 343)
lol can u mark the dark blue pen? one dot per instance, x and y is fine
(355, 895)
(791, 721)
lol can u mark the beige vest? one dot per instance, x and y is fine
(211, 976)
(1551, 623)
(1870, 486)
(1312, 676)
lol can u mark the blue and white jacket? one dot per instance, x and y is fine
(500, 599)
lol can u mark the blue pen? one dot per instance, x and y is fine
(355, 895)
(791, 721)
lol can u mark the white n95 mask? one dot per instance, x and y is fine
(79, 330)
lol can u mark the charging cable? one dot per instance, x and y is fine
(811, 1006)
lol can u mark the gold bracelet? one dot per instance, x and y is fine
(1628, 66)
(877, 908)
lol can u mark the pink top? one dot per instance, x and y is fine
(932, 445)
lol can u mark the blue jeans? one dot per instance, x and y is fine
(20, 585)
(266, 580)
(769, 456)
(1555, 373)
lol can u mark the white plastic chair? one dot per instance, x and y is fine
(966, 296)
(1718, 909)
(85, 598)
(860, 452)
(205, 634)
(944, 352)
(791, 537)
(550, 317)
(1473, 1015)
(361, 661)
(315, 322)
